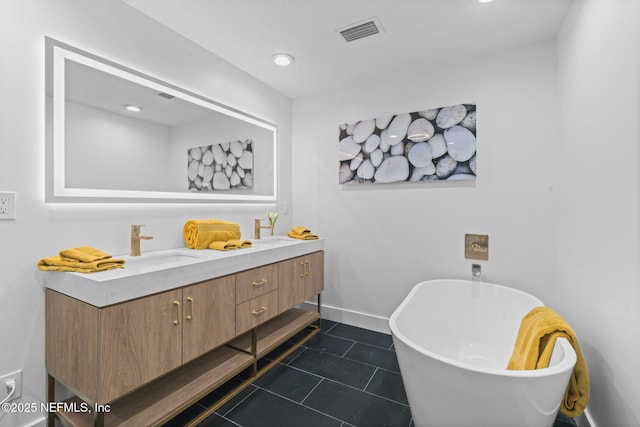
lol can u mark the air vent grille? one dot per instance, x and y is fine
(361, 30)
(166, 95)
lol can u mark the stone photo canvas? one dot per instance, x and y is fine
(218, 167)
(429, 145)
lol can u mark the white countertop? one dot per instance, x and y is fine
(160, 271)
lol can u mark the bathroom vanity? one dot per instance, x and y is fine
(137, 346)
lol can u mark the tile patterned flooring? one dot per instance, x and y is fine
(344, 376)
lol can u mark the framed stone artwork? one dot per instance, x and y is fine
(429, 145)
(226, 166)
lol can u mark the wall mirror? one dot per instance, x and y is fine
(117, 135)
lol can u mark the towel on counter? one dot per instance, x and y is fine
(223, 246)
(83, 254)
(302, 233)
(241, 244)
(200, 233)
(537, 335)
(84, 259)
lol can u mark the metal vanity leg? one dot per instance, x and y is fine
(98, 417)
(51, 391)
(254, 351)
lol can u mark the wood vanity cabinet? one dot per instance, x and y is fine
(152, 357)
(137, 341)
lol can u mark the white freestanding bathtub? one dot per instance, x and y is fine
(454, 338)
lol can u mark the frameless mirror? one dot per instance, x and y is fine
(115, 134)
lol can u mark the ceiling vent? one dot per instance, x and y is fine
(360, 30)
(166, 95)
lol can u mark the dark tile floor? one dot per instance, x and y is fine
(344, 376)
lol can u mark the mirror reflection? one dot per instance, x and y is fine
(119, 135)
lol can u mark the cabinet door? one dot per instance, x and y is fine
(314, 274)
(300, 279)
(139, 341)
(290, 283)
(209, 316)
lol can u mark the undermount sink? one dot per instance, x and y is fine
(157, 259)
(273, 240)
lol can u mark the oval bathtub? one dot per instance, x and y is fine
(454, 338)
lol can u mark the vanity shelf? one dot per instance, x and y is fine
(150, 358)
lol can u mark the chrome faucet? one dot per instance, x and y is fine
(256, 228)
(475, 272)
(135, 239)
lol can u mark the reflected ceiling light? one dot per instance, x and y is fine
(133, 108)
(282, 59)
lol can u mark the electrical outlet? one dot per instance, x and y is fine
(5, 389)
(7, 205)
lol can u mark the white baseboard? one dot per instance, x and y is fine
(351, 317)
(40, 422)
(585, 420)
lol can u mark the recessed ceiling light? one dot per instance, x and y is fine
(485, 1)
(133, 108)
(282, 59)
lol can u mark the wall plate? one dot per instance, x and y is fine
(476, 246)
(7, 205)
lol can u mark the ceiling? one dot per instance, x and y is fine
(416, 33)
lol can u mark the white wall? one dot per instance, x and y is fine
(598, 199)
(383, 239)
(118, 32)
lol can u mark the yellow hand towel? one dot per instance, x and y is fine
(534, 344)
(223, 246)
(200, 233)
(84, 254)
(300, 230)
(307, 236)
(56, 263)
(242, 244)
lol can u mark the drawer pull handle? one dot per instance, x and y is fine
(177, 304)
(259, 283)
(190, 316)
(259, 311)
(307, 268)
(303, 269)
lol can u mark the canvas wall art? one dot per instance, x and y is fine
(226, 166)
(429, 145)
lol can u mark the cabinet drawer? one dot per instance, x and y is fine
(255, 311)
(256, 282)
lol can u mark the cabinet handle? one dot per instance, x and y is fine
(302, 274)
(177, 304)
(190, 316)
(259, 283)
(259, 311)
(307, 268)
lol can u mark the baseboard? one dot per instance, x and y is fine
(352, 317)
(40, 422)
(585, 420)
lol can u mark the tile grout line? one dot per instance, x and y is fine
(347, 351)
(370, 379)
(303, 405)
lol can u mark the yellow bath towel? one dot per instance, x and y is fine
(56, 263)
(534, 344)
(302, 233)
(84, 254)
(200, 233)
(241, 244)
(223, 246)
